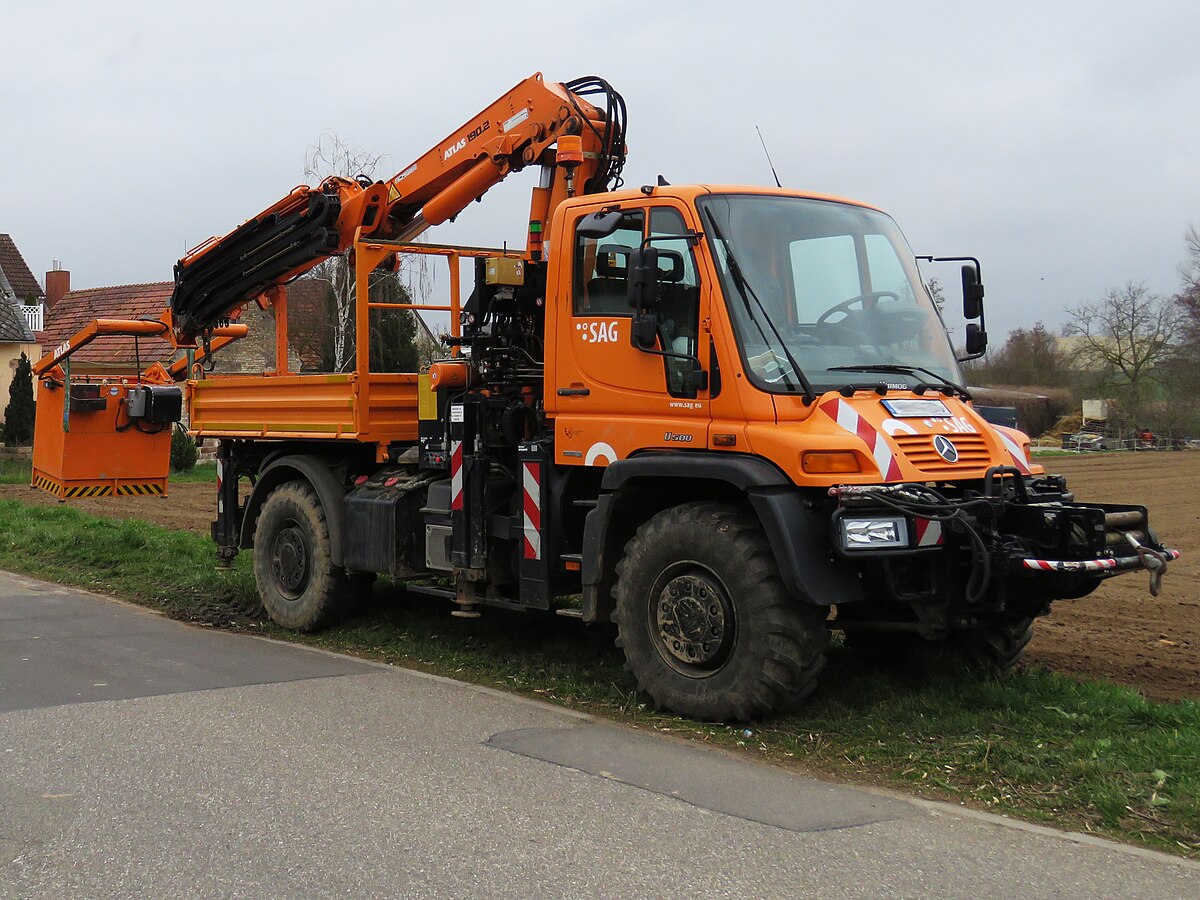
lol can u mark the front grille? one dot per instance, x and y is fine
(972, 450)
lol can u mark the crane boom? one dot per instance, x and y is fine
(537, 122)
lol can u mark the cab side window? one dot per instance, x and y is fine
(678, 294)
(601, 275)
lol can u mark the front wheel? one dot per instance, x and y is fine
(707, 627)
(997, 646)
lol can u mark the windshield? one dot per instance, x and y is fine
(822, 285)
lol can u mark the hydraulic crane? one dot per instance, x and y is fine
(580, 147)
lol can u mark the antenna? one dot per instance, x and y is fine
(768, 153)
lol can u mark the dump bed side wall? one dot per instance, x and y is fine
(306, 406)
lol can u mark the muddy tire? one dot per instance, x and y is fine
(300, 587)
(707, 627)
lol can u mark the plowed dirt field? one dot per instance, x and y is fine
(1120, 633)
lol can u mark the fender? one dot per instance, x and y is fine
(798, 535)
(317, 473)
(741, 471)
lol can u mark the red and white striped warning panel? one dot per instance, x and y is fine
(929, 532)
(1014, 450)
(877, 443)
(532, 525)
(456, 475)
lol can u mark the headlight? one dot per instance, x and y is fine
(874, 533)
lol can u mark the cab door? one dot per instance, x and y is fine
(610, 397)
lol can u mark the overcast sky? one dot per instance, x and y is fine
(1058, 142)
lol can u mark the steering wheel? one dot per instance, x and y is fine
(844, 306)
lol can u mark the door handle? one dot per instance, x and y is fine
(573, 392)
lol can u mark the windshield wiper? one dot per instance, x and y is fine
(746, 291)
(906, 370)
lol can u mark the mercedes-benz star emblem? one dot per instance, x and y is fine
(946, 450)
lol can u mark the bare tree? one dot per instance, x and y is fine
(331, 155)
(1125, 337)
(1189, 270)
(1188, 299)
(1183, 379)
(936, 294)
(430, 349)
(1030, 357)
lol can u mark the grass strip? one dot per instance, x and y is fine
(15, 471)
(1089, 756)
(19, 471)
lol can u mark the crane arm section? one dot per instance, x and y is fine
(537, 122)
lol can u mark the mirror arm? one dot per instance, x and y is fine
(698, 366)
(970, 259)
(692, 237)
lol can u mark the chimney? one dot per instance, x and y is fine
(58, 282)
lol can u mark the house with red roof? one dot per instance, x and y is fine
(21, 305)
(109, 355)
(68, 311)
(72, 310)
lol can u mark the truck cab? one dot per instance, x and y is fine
(767, 301)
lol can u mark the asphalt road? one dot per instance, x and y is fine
(142, 757)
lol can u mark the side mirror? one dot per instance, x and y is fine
(643, 330)
(643, 278)
(695, 380)
(599, 224)
(976, 340)
(972, 293)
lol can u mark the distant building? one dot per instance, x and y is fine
(120, 355)
(72, 310)
(22, 305)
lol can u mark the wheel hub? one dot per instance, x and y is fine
(289, 560)
(694, 620)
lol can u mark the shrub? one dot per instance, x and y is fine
(183, 450)
(18, 415)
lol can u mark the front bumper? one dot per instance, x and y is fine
(1013, 531)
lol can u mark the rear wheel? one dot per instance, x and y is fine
(707, 627)
(300, 587)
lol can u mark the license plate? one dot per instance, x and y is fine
(916, 409)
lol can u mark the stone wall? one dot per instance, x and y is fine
(255, 353)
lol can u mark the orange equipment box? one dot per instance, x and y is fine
(97, 450)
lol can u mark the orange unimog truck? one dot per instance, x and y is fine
(711, 414)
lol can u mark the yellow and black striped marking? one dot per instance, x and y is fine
(141, 490)
(88, 490)
(43, 483)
